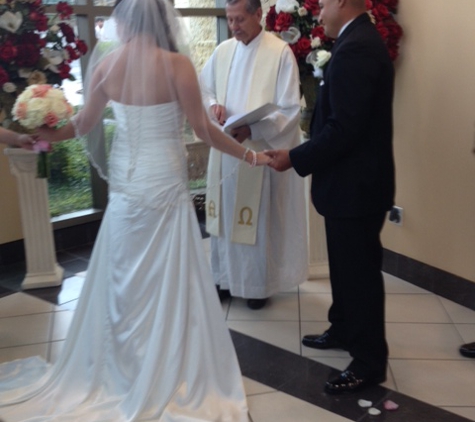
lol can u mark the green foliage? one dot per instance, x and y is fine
(70, 180)
(66, 199)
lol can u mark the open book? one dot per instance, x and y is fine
(249, 118)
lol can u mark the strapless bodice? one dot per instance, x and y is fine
(148, 154)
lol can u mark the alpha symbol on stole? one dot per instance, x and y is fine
(212, 209)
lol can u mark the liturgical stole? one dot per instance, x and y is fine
(249, 180)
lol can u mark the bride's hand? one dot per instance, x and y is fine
(263, 159)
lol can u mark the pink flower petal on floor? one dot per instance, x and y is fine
(390, 405)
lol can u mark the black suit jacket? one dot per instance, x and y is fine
(349, 153)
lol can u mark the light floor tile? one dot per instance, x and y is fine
(415, 308)
(67, 306)
(467, 332)
(316, 286)
(22, 304)
(438, 382)
(315, 306)
(423, 341)
(394, 284)
(253, 387)
(458, 313)
(280, 407)
(466, 412)
(55, 351)
(21, 352)
(62, 321)
(71, 289)
(283, 334)
(25, 330)
(281, 307)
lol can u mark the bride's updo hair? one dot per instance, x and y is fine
(146, 17)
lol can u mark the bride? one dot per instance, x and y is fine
(148, 341)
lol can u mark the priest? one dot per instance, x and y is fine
(255, 216)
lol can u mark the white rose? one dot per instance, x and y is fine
(316, 42)
(35, 114)
(302, 11)
(291, 36)
(287, 6)
(322, 57)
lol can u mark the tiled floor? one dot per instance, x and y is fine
(283, 379)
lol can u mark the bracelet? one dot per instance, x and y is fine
(244, 156)
(254, 159)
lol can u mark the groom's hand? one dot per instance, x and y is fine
(280, 159)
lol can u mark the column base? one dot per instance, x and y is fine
(318, 271)
(40, 280)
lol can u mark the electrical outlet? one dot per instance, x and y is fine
(395, 215)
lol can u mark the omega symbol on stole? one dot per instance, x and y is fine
(245, 216)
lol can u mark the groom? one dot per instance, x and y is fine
(350, 159)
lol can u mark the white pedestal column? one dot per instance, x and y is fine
(317, 245)
(42, 270)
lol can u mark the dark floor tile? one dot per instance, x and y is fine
(304, 378)
(75, 266)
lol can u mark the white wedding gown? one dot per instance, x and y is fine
(148, 341)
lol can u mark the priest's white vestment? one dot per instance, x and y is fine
(278, 260)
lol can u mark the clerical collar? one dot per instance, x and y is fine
(344, 26)
(254, 41)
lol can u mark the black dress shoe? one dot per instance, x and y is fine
(256, 303)
(322, 341)
(468, 350)
(222, 293)
(349, 382)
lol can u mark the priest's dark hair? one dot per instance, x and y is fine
(251, 7)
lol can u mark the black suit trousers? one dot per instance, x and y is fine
(357, 312)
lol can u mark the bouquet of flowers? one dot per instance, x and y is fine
(42, 105)
(33, 50)
(296, 22)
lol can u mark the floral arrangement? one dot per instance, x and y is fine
(33, 50)
(42, 105)
(296, 22)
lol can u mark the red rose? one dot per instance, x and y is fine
(28, 55)
(318, 32)
(4, 78)
(64, 10)
(81, 46)
(312, 7)
(270, 19)
(304, 47)
(369, 4)
(283, 22)
(64, 71)
(67, 32)
(42, 23)
(382, 30)
(29, 38)
(72, 53)
(380, 12)
(7, 51)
